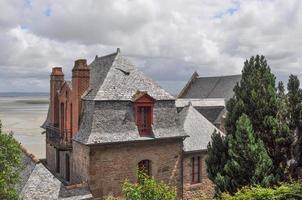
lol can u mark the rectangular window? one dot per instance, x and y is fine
(195, 169)
(144, 120)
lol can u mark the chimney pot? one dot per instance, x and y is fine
(57, 71)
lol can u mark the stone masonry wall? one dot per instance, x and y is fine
(111, 165)
(202, 190)
(51, 157)
(63, 163)
(80, 158)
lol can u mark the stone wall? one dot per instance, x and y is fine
(202, 190)
(51, 157)
(80, 158)
(110, 165)
(63, 163)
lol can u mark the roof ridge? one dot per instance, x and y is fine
(223, 76)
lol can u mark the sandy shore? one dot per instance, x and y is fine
(24, 116)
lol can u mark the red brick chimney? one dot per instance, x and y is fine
(80, 83)
(56, 82)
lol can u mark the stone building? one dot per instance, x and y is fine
(112, 120)
(208, 95)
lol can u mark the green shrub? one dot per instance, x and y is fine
(148, 188)
(10, 165)
(286, 191)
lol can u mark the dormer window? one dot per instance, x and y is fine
(143, 110)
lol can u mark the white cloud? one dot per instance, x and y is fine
(169, 39)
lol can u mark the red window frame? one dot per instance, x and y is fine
(143, 108)
(195, 169)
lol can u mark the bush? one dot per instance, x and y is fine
(10, 165)
(148, 189)
(286, 191)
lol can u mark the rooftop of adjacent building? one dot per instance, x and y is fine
(209, 87)
(37, 182)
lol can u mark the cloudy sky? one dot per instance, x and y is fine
(167, 39)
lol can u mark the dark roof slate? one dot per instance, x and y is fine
(211, 87)
(211, 113)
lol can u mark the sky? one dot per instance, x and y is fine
(167, 39)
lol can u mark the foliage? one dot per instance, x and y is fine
(248, 161)
(258, 139)
(257, 97)
(294, 96)
(286, 191)
(10, 165)
(148, 189)
(216, 159)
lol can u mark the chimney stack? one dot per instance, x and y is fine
(80, 83)
(56, 82)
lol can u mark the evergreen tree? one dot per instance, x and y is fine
(248, 162)
(295, 121)
(256, 96)
(216, 159)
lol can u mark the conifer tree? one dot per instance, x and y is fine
(248, 162)
(295, 121)
(256, 96)
(216, 160)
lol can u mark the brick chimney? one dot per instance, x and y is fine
(56, 82)
(80, 83)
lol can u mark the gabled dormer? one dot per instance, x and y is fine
(143, 111)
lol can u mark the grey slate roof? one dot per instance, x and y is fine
(108, 114)
(197, 127)
(113, 77)
(211, 113)
(37, 182)
(113, 121)
(211, 87)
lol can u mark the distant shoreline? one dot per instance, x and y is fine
(24, 94)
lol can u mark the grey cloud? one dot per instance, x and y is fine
(167, 39)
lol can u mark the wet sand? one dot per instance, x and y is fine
(23, 115)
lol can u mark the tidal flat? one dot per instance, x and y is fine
(23, 114)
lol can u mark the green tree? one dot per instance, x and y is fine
(248, 162)
(10, 165)
(294, 96)
(216, 159)
(256, 96)
(148, 189)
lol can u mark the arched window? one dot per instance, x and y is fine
(145, 166)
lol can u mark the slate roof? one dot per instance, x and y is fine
(37, 182)
(212, 108)
(113, 77)
(211, 113)
(197, 127)
(108, 114)
(210, 87)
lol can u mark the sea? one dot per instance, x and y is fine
(23, 114)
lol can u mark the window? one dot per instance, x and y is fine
(195, 169)
(143, 107)
(145, 166)
(57, 161)
(144, 120)
(67, 168)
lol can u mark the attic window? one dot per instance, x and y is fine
(143, 108)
